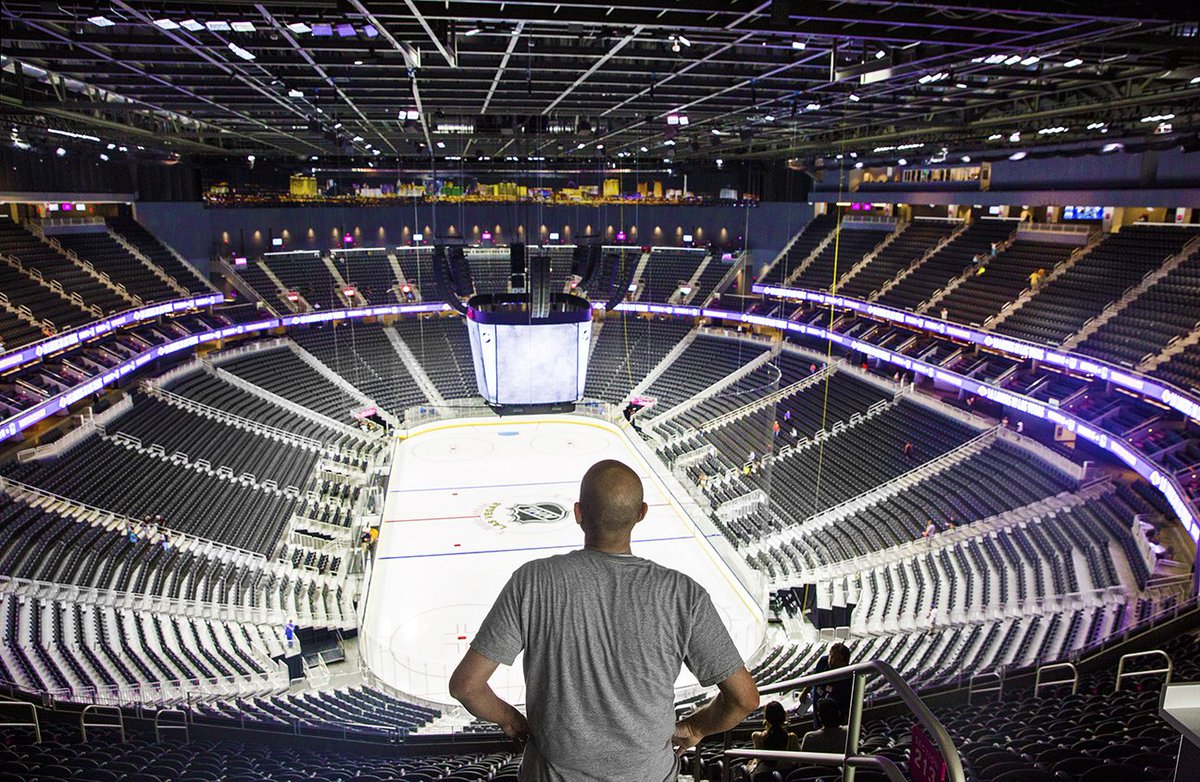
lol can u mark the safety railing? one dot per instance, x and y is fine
(1038, 684)
(177, 723)
(107, 717)
(1122, 675)
(851, 760)
(21, 706)
(979, 685)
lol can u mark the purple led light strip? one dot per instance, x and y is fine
(1156, 390)
(31, 353)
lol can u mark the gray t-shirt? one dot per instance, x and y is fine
(604, 636)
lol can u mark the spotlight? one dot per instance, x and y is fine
(60, 151)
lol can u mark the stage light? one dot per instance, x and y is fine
(191, 25)
(101, 21)
(370, 31)
(166, 24)
(346, 30)
(299, 28)
(322, 30)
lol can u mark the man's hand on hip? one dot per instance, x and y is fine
(685, 737)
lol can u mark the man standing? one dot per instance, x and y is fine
(604, 634)
(289, 632)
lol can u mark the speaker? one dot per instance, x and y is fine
(516, 266)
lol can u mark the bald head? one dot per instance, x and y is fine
(610, 500)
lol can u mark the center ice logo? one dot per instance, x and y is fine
(504, 514)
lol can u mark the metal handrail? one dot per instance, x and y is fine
(101, 711)
(182, 725)
(1038, 683)
(999, 688)
(859, 671)
(886, 765)
(1132, 674)
(35, 724)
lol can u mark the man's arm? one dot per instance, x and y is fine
(738, 697)
(469, 686)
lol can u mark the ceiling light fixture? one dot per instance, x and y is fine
(1012, 60)
(217, 26)
(60, 152)
(813, 106)
(300, 28)
(799, 45)
(472, 32)
(191, 25)
(101, 21)
(72, 134)
(293, 93)
(1074, 62)
(1032, 59)
(240, 52)
(879, 55)
(243, 27)
(854, 98)
(1017, 156)
(1158, 118)
(166, 24)
(902, 162)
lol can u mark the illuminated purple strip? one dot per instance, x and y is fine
(68, 339)
(1164, 482)
(1165, 393)
(60, 402)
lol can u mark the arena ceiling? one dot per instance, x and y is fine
(645, 78)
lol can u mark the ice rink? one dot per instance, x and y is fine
(469, 501)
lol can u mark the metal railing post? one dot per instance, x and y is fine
(854, 724)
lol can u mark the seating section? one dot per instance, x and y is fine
(444, 350)
(852, 243)
(710, 277)
(307, 274)
(38, 257)
(94, 552)
(153, 248)
(61, 756)
(667, 271)
(1169, 309)
(71, 650)
(626, 350)
(106, 255)
(1004, 277)
(102, 473)
(370, 272)
(360, 710)
(857, 459)
(917, 238)
(363, 355)
(417, 265)
(263, 286)
(285, 374)
(807, 241)
(1120, 261)
(704, 362)
(947, 263)
(490, 270)
(156, 422)
(1182, 369)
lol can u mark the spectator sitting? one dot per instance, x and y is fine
(776, 737)
(838, 657)
(831, 737)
